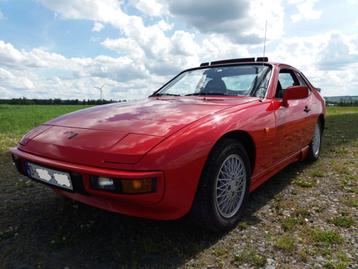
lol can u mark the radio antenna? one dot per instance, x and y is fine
(265, 38)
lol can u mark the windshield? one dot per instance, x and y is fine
(228, 80)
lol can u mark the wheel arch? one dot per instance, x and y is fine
(322, 120)
(246, 140)
(197, 213)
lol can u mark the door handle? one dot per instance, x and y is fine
(307, 109)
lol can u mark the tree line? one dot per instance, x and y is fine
(342, 103)
(56, 101)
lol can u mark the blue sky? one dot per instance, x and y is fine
(63, 49)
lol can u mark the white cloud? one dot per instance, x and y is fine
(152, 8)
(142, 66)
(140, 40)
(16, 79)
(149, 51)
(305, 10)
(8, 54)
(164, 26)
(125, 46)
(101, 11)
(329, 60)
(97, 27)
(242, 21)
(182, 43)
(337, 53)
(38, 73)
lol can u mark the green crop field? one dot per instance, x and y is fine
(303, 217)
(16, 120)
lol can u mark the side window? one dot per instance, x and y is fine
(286, 78)
(301, 80)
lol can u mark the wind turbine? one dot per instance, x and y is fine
(101, 90)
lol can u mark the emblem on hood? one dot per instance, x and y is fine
(70, 134)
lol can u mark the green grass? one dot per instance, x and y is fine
(251, 257)
(341, 110)
(289, 223)
(286, 243)
(342, 261)
(342, 221)
(317, 172)
(16, 120)
(328, 237)
(304, 183)
(333, 265)
(352, 202)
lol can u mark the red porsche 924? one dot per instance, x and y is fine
(197, 145)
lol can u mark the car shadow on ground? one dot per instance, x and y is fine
(48, 231)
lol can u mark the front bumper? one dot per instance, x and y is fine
(142, 205)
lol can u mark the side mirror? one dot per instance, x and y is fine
(294, 93)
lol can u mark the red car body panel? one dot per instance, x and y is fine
(170, 138)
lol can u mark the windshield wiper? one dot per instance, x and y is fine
(205, 93)
(166, 94)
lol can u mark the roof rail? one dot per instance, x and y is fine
(262, 59)
(237, 60)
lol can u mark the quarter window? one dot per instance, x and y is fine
(301, 80)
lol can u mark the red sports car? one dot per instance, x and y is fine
(199, 144)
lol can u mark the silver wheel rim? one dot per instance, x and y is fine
(316, 140)
(230, 186)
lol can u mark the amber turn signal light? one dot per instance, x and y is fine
(132, 186)
(124, 186)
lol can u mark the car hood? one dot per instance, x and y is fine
(158, 117)
(119, 133)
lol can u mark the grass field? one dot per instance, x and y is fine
(16, 120)
(304, 217)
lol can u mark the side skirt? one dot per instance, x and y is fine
(259, 179)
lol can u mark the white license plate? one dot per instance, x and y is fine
(50, 176)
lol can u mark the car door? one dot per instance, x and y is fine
(311, 115)
(291, 119)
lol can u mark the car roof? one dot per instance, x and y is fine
(238, 61)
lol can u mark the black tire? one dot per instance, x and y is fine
(313, 155)
(205, 209)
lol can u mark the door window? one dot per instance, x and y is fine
(286, 78)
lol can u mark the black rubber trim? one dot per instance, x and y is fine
(18, 165)
(77, 183)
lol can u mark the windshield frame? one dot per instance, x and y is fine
(269, 70)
